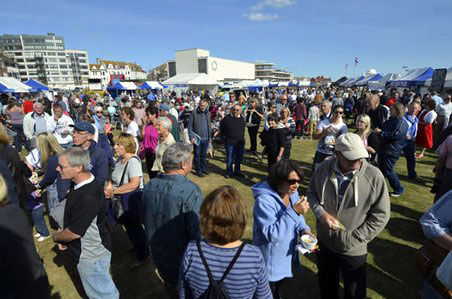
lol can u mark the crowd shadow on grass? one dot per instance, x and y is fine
(405, 229)
(140, 282)
(407, 212)
(63, 258)
(397, 275)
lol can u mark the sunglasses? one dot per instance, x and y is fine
(236, 109)
(97, 112)
(339, 112)
(293, 182)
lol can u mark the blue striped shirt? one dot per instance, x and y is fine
(247, 278)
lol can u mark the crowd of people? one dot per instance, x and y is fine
(75, 162)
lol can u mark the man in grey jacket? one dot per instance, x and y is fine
(350, 200)
(199, 133)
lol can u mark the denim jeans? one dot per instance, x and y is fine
(96, 278)
(19, 129)
(37, 215)
(234, 154)
(200, 156)
(52, 197)
(386, 163)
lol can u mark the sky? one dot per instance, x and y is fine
(307, 38)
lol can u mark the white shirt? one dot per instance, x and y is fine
(85, 182)
(133, 129)
(62, 125)
(445, 110)
(430, 117)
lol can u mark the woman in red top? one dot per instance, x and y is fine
(424, 137)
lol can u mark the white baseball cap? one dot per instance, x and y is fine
(351, 146)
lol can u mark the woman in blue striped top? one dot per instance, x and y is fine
(223, 221)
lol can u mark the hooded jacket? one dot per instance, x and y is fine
(275, 230)
(99, 162)
(364, 210)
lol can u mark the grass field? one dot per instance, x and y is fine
(390, 271)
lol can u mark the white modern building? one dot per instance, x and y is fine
(104, 71)
(199, 61)
(269, 71)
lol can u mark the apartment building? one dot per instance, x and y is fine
(44, 58)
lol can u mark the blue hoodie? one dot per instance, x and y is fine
(275, 230)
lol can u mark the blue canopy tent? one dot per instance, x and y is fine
(365, 81)
(120, 86)
(414, 78)
(36, 86)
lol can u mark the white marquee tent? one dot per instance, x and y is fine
(191, 79)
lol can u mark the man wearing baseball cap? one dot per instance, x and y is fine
(350, 201)
(83, 137)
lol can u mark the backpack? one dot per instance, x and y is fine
(216, 289)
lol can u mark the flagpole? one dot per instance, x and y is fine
(354, 70)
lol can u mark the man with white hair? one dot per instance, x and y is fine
(84, 231)
(37, 122)
(171, 204)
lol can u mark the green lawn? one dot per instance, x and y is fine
(390, 271)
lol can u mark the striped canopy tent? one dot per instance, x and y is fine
(365, 81)
(415, 77)
(151, 85)
(9, 84)
(36, 86)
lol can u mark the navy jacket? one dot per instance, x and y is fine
(99, 162)
(393, 136)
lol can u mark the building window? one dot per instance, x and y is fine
(172, 68)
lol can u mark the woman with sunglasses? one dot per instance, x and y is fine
(278, 219)
(327, 131)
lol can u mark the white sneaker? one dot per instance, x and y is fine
(42, 238)
(37, 235)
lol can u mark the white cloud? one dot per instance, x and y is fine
(257, 16)
(273, 3)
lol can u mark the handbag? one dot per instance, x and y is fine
(116, 204)
(427, 260)
(123, 203)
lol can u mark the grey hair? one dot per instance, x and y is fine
(37, 104)
(166, 122)
(327, 102)
(175, 154)
(77, 156)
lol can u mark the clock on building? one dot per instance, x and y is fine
(214, 65)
